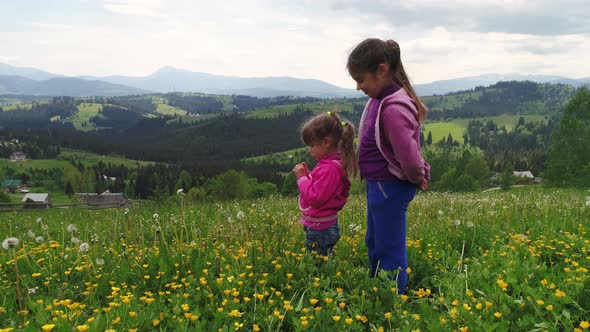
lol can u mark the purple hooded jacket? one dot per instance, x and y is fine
(397, 134)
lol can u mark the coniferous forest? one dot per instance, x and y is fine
(207, 136)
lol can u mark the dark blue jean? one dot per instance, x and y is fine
(322, 242)
(387, 203)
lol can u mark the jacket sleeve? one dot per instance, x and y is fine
(318, 188)
(399, 128)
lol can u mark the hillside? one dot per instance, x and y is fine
(174, 127)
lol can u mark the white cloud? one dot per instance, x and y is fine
(150, 8)
(304, 38)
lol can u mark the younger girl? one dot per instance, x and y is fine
(389, 152)
(324, 191)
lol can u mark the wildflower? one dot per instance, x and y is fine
(10, 243)
(47, 327)
(179, 191)
(457, 222)
(336, 318)
(39, 239)
(388, 315)
(99, 261)
(32, 290)
(82, 328)
(72, 228)
(549, 307)
(84, 247)
(155, 216)
(502, 284)
(585, 324)
(498, 314)
(559, 293)
(240, 215)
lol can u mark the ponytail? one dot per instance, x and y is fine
(392, 52)
(347, 147)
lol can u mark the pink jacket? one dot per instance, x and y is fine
(323, 193)
(397, 132)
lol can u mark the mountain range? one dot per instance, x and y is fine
(31, 81)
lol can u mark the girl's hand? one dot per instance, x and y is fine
(423, 185)
(300, 170)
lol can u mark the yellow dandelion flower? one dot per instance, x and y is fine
(479, 306)
(156, 322)
(348, 321)
(336, 318)
(256, 328)
(82, 328)
(313, 301)
(132, 313)
(585, 324)
(47, 327)
(559, 293)
(549, 307)
(498, 314)
(388, 315)
(540, 302)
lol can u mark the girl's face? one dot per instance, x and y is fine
(319, 150)
(373, 84)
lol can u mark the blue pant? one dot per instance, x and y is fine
(387, 204)
(322, 241)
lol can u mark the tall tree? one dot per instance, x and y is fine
(569, 155)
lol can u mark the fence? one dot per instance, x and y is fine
(14, 207)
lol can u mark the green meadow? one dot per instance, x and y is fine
(456, 127)
(64, 157)
(496, 261)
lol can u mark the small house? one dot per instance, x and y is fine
(18, 156)
(37, 200)
(524, 174)
(105, 200)
(12, 185)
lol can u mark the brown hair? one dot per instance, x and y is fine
(342, 131)
(372, 52)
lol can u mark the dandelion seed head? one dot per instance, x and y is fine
(180, 191)
(240, 215)
(457, 222)
(75, 240)
(84, 247)
(10, 243)
(99, 261)
(72, 228)
(31, 234)
(39, 220)
(39, 239)
(155, 216)
(469, 224)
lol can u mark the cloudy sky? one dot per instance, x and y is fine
(298, 38)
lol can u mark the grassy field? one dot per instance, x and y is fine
(165, 109)
(85, 112)
(515, 261)
(86, 158)
(440, 130)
